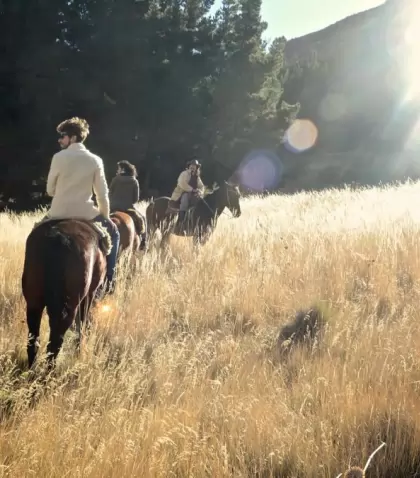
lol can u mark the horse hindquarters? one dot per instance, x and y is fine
(151, 218)
(158, 216)
(140, 225)
(63, 268)
(61, 303)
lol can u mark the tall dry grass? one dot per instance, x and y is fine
(179, 376)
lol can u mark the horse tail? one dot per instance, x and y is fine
(139, 221)
(151, 217)
(57, 247)
(140, 225)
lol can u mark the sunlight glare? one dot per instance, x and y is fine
(412, 41)
(106, 308)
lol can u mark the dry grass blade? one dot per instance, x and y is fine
(357, 472)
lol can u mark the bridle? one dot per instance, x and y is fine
(231, 216)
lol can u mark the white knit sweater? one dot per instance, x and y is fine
(74, 173)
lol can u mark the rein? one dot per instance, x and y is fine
(223, 212)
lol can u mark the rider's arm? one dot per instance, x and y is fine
(136, 192)
(112, 187)
(200, 185)
(100, 188)
(52, 177)
(183, 182)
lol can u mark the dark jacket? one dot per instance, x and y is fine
(124, 192)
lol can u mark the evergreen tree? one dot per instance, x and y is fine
(158, 80)
(246, 111)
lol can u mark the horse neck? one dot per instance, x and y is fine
(215, 201)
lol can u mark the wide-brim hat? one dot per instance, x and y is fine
(194, 162)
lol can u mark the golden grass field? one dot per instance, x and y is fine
(180, 376)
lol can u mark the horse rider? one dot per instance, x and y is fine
(189, 186)
(124, 190)
(73, 173)
(124, 193)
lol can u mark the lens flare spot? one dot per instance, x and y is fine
(106, 308)
(301, 136)
(261, 170)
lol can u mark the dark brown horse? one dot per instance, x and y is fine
(65, 264)
(201, 219)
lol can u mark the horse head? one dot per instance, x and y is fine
(228, 195)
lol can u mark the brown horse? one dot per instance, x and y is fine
(65, 264)
(140, 224)
(129, 240)
(201, 219)
(132, 228)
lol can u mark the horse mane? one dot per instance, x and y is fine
(217, 186)
(210, 196)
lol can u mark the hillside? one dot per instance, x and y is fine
(335, 39)
(181, 375)
(332, 40)
(356, 99)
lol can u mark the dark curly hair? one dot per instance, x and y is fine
(74, 127)
(127, 168)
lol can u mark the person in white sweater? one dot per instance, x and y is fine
(74, 173)
(189, 189)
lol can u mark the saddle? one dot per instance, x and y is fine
(104, 238)
(173, 206)
(105, 241)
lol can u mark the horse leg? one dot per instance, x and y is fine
(135, 257)
(151, 235)
(196, 239)
(59, 324)
(201, 237)
(143, 241)
(206, 236)
(83, 319)
(164, 243)
(33, 319)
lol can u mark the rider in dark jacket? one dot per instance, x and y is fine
(124, 190)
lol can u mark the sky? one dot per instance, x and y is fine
(293, 18)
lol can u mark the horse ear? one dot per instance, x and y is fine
(233, 180)
(231, 184)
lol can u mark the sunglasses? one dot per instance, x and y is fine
(62, 135)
